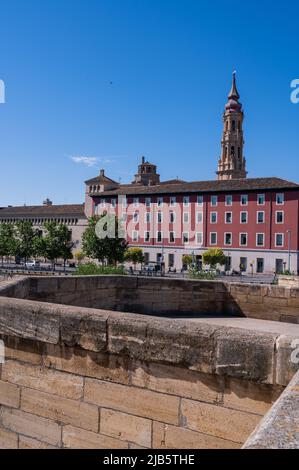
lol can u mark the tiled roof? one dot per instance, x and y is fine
(65, 210)
(249, 184)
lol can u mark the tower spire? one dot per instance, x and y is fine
(232, 164)
(233, 94)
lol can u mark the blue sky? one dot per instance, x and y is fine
(117, 79)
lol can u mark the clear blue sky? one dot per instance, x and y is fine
(170, 64)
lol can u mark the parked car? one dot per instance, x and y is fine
(32, 264)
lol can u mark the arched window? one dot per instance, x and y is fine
(233, 126)
(232, 150)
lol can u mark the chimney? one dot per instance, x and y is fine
(102, 172)
(143, 159)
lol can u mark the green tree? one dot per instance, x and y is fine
(79, 256)
(134, 255)
(187, 260)
(25, 240)
(214, 256)
(56, 243)
(7, 240)
(104, 248)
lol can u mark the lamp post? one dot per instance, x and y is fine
(289, 232)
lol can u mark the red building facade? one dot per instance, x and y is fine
(254, 220)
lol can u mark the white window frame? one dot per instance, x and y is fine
(188, 217)
(160, 201)
(257, 217)
(173, 237)
(135, 239)
(277, 212)
(199, 234)
(113, 203)
(161, 215)
(225, 221)
(215, 197)
(231, 239)
(124, 217)
(148, 202)
(256, 240)
(282, 236)
(264, 197)
(199, 201)
(244, 212)
(240, 235)
(149, 215)
(174, 217)
(183, 234)
(149, 236)
(103, 203)
(172, 201)
(186, 201)
(213, 233)
(211, 214)
(199, 215)
(157, 241)
(137, 218)
(226, 197)
(136, 201)
(283, 197)
(241, 197)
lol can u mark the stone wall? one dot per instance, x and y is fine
(76, 377)
(279, 429)
(164, 296)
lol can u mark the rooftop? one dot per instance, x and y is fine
(65, 210)
(178, 186)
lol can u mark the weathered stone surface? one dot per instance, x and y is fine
(245, 354)
(137, 401)
(33, 426)
(9, 394)
(8, 439)
(86, 328)
(248, 396)
(177, 381)
(31, 320)
(173, 437)
(126, 427)
(218, 421)
(102, 366)
(76, 438)
(279, 429)
(44, 379)
(81, 415)
(28, 443)
(287, 352)
(22, 350)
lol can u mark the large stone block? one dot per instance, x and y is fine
(126, 427)
(9, 394)
(101, 366)
(84, 327)
(29, 320)
(133, 400)
(76, 438)
(81, 415)
(245, 354)
(8, 439)
(218, 421)
(177, 381)
(31, 425)
(44, 379)
(173, 437)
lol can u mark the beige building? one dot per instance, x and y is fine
(70, 214)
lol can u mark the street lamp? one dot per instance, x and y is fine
(289, 232)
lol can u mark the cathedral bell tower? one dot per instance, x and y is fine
(232, 164)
